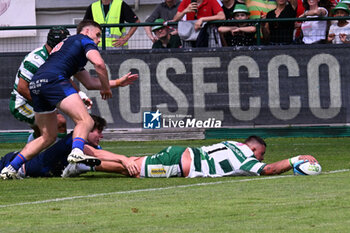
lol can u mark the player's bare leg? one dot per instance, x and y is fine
(186, 162)
(74, 107)
(47, 124)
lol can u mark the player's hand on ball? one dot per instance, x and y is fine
(306, 168)
(309, 158)
(305, 165)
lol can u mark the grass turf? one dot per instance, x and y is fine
(232, 204)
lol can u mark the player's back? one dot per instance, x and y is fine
(29, 66)
(230, 158)
(68, 57)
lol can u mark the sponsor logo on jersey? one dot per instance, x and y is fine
(158, 171)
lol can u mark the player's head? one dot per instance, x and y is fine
(91, 29)
(96, 133)
(87, 23)
(99, 122)
(257, 145)
(56, 35)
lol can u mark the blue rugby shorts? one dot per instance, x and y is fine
(47, 90)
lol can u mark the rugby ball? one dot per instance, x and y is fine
(305, 168)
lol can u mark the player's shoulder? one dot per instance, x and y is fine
(83, 40)
(33, 61)
(240, 146)
(235, 143)
(40, 53)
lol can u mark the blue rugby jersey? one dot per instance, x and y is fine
(68, 57)
(6, 159)
(48, 163)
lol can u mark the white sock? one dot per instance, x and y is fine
(83, 168)
(11, 168)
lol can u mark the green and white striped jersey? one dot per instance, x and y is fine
(227, 158)
(28, 68)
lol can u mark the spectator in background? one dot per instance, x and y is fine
(280, 33)
(259, 8)
(113, 12)
(165, 39)
(165, 10)
(228, 6)
(347, 2)
(314, 32)
(202, 11)
(340, 33)
(240, 34)
(300, 8)
(298, 37)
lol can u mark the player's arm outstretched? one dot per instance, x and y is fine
(129, 164)
(95, 84)
(285, 165)
(125, 80)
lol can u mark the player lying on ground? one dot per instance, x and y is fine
(52, 161)
(221, 159)
(228, 158)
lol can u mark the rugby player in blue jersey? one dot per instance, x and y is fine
(50, 88)
(53, 160)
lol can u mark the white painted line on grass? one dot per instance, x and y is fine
(155, 189)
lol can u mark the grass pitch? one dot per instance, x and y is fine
(102, 202)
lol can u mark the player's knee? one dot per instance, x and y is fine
(86, 121)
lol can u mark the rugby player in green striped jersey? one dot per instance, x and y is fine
(228, 158)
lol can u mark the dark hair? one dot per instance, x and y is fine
(100, 123)
(85, 23)
(56, 35)
(322, 3)
(256, 139)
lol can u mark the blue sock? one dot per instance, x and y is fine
(18, 161)
(78, 143)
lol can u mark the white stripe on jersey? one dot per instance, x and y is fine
(232, 159)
